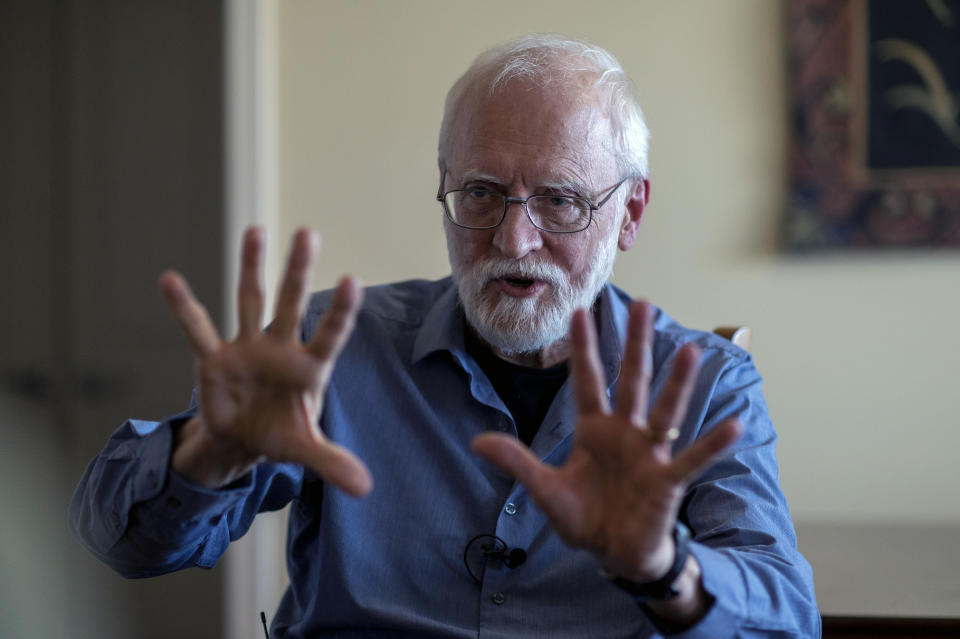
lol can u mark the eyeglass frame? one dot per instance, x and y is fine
(522, 201)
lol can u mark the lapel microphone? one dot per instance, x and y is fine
(492, 547)
(511, 557)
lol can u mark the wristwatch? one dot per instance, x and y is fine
(662, 588)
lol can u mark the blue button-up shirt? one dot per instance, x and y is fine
(408, 399)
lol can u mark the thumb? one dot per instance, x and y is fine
(510, 456)
(338, 466)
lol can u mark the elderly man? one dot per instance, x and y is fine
(511, 498)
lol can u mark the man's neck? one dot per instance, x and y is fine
(546, 357)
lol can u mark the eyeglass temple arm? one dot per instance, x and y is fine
(443, 178)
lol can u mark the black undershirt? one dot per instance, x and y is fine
(527, 392)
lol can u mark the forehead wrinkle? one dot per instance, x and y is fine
(492, 161)
(561, 142)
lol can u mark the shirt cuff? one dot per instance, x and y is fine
(183, 506)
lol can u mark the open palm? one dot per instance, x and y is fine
(619, 491)
(261, 394)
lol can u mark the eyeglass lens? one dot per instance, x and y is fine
(483, 208)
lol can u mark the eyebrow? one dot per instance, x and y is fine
(557, 185)
(476, 176)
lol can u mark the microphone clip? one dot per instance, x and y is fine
(492, 547)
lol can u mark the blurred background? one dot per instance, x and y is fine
(141, 135)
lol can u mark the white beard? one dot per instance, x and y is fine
(527, 324)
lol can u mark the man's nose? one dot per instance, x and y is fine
(516, 236)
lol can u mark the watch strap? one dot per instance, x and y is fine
(662, 588)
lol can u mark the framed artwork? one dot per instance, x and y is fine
(875, 148)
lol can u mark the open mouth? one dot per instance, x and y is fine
(518, 282)
(516, 285)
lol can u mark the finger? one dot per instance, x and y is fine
(338, 466)
(190, 314)
(509, 455)
(671, 407)
(513, 458)
(588, 376)
(633, 390)
(292, 294)
(250, 292)
(698, 456)
(337, 323)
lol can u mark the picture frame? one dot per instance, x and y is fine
(875, 143)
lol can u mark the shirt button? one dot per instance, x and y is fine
(510, 508)
(498, 598)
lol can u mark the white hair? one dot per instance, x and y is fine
(546, 59)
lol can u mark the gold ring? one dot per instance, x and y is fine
(658, 436)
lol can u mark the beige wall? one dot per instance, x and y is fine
(859, 352)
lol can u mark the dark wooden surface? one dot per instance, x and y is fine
(901, 628)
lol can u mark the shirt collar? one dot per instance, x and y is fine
(443, 326)
(612, 331)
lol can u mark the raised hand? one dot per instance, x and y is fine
(261, 394)
(619, 491)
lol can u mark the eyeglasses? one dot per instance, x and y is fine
(482, 207)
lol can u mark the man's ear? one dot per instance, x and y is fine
(635, 207)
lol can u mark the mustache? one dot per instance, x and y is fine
(531, 270)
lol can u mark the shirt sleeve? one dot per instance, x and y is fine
(143, 519)
(744, 537)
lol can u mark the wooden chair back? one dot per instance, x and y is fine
(739, 335)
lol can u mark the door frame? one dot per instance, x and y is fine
(255, 565)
